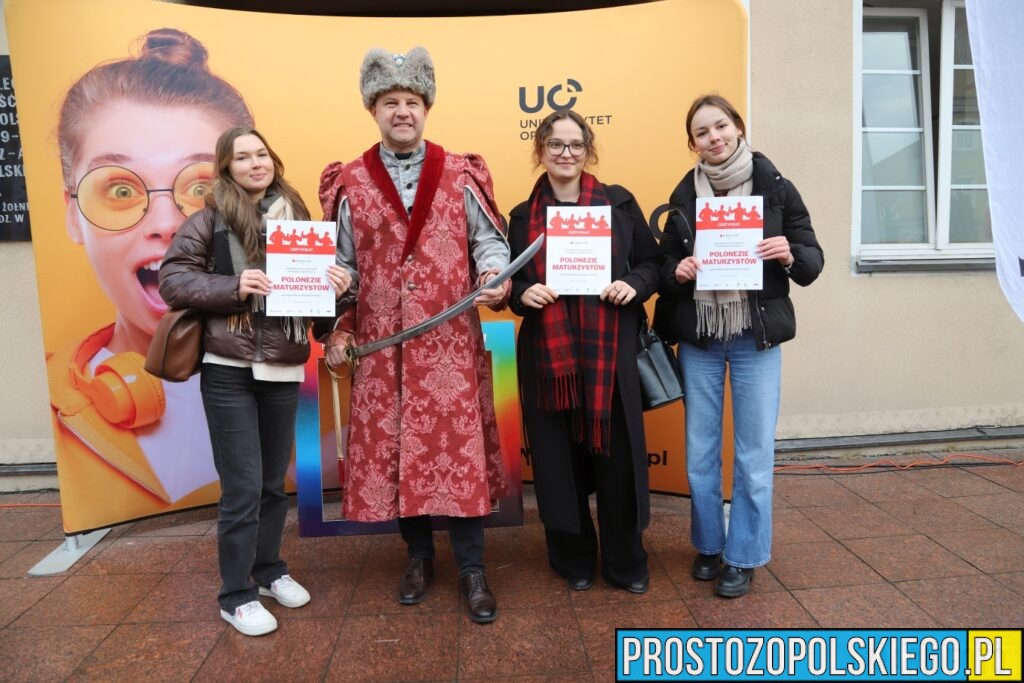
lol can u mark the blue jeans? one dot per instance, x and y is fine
(754, 378)
(252, 429)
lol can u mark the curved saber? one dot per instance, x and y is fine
(356, 352)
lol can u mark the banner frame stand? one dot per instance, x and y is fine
(74, 548)
(313, 521)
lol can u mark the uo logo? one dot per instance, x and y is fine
(554, 97)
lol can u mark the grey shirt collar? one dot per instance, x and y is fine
(405, 173)
(392, 161)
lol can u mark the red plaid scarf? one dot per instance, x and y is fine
(578, 335)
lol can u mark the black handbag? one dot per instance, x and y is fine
(661, 380)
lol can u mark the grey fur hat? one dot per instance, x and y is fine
(383, 71)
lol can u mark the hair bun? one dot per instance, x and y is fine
(171, 46)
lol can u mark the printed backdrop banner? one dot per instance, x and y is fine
(96, 258)
(995, 28)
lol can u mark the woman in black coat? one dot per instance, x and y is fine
(578, 380)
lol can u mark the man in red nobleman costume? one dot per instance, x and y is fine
(419, 231)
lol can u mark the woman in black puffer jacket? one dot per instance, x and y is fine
(737, 329)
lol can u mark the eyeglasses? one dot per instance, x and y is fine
(556, 148)
(115, 198)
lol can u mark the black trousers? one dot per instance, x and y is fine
(467, 534)
(252, 429)
(574, 554)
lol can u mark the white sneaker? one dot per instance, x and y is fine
(252, 619)
(287, 591)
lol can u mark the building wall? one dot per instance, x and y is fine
(25, 435)
(874, 353)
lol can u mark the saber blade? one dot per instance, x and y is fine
(447, 314)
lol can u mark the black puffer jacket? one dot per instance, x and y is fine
(771, 310)
(191, 277)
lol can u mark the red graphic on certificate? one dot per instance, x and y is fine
(579, 249)
(298, 254)
(728, 230)
(300, 237)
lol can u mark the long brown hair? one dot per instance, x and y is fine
(544, 132)
(170, 71)
(713, 100)
(235, 204)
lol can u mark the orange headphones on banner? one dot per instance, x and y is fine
(120, 388)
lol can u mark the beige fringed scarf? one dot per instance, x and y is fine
(723, 314)
(294, 328)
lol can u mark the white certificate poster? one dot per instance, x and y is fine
(298, 254)
(728, 230)
(579, 249)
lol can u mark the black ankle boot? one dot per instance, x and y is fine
(734, 581)
(706, 567)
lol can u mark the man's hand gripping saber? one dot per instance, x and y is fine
(353, 353)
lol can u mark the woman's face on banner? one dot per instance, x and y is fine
(140, 163)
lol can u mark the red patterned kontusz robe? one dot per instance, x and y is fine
(423, 436)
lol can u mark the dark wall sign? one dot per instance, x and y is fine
(13, 199)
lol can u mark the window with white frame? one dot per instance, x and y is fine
(922, 194)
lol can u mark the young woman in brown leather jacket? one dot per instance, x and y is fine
(252, 368)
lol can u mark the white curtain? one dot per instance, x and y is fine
(996, 28)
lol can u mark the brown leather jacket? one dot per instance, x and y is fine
(191, 277)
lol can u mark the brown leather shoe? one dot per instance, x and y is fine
(480, 602)
(413, 586)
